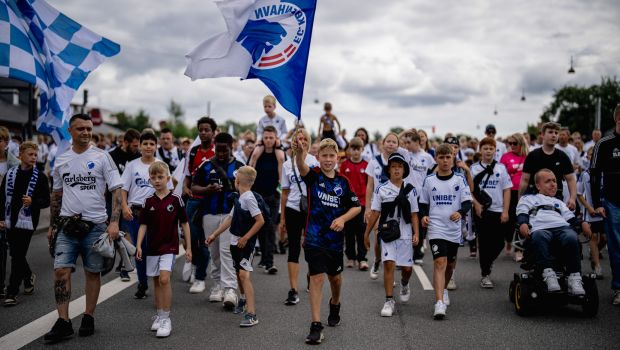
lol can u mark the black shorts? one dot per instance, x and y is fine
(442, 248)
(242, 257)
(323, 261)
(597, 226)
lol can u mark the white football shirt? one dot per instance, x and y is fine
(544, 219)
(583, 188)
(289, 181)
(83, 179)
(497, 183)
(444, 198)
(386, 193)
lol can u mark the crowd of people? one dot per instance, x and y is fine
(228, 198)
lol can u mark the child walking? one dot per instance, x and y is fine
(331, 204)
(445, 198)
(396, 204)
(159, 221)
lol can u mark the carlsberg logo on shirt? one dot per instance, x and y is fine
(86, 182)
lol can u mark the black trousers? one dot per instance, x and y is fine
(4, 249)
(354, 235)
(490, 239)
(267, 238)
(19, 241)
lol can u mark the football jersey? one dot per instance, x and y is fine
(290, 180)
(495, 186)
(162, 217)
(375, 170)
(544, 219)
(583, 188)
(358, 179)
(387, 192)
(135, 180)
(329, 198)
(444, 197)
(419, 164)
(83, 179)
(247, 202)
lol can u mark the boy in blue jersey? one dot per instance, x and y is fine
(331, 204)
(445, 198)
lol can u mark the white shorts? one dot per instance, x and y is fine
(400, 251)
(157, 263)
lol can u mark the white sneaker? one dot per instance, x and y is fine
(187, 271)
(616, 300)
(419, 262)
(197, 287)
(451, 283)
(551, 279)
(446, 297)
(486, 282)
(230, 298)
(440, 310)
(374, 271)
(575, 285)
(217, 294)
(165, 327)
(405, 293)
(388, 308)
(156, 323)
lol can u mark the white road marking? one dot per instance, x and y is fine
(426, 283)
(37, 328)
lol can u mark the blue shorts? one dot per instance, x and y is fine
(68, 248)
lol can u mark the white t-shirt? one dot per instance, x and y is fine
(83, 178)
(419, 164)
(583, 188)
(248, 202)
(370, 152)
(289, 182)
(500, 149)
(374, 169)
(544, 219)
(277, 122)
(444, 198)
(240, 156)
(572, 153)
(135, 180)
(173, 154)
(386, 193)
(498, 182)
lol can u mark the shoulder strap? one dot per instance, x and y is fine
(296, 178)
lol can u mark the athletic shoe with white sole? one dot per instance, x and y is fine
(551, 279)
(440, 310)
(249, 320)
(451, 283)
(165, 327)
(446, 297)
(388, 308)
(156, 323)
(374, 271)
(486, 282)
(197, 287)
(405, 293)
(575, 284)
(217, 294)
(230, 298)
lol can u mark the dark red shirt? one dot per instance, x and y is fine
(162, 217)
(356, 173)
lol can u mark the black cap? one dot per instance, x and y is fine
(490, 128)
(451, 140)
(397, 157)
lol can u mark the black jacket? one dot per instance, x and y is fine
(40, 196)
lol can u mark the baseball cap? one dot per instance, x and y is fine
(490, 129)
(451, 140)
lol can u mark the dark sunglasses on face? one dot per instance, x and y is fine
(513, 143)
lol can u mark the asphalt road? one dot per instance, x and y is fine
(477, 318)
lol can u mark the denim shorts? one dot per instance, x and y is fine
(68, 248)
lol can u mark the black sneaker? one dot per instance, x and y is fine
(125, 276)
(272, 270)
(29, 284)
(293, 298)
(281, 247)
(10, 300)
(334, 314)
(316, 334)
(87, 328)
(141, 293)
(60, 331)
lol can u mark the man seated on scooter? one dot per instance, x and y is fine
(546, 221)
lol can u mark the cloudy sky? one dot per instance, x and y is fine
(409, 63)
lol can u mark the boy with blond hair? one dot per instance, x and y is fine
(332, 203)
(160, 217)
(244, 222)
(271, 118)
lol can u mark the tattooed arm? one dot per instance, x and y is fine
(115, 215)
(55, 204)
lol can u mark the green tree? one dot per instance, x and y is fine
(397, 130)
(237, 127)
(377, 137)
(139, 121)
(575, 106)
(176, 122)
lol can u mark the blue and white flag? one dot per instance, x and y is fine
(266, 39)
(42, 46)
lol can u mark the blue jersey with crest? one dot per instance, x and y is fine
(329, 199)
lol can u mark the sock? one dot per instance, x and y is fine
(165, 314)
(404, 283)
(242, 296)
(388, 297)
(160, 312)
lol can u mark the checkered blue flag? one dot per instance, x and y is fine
(44, 47)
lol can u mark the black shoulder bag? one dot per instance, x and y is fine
(480, 194)
(303, 199)
(389, 230)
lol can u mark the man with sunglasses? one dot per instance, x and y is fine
(500, 148)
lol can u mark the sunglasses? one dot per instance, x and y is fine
(513, 143)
